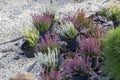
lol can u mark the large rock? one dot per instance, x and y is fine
(23, 76)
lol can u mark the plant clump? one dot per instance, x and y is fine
(42, 22)
(31, 36)
(67, 31)
(48, 42)
(112, 53)
(80, 21)
(77, 66)
(90, 46)
(52, 75)
(48, 60)
(112, 12)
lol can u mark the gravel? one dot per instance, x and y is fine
(15, 16)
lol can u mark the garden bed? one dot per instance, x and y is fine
(64, 39)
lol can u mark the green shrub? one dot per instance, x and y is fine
(112, 53)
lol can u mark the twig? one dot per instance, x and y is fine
(12, 40)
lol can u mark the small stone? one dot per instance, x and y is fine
(23, 76)
(16, 44)
(93, 74)
(100, 19)
(17, 58)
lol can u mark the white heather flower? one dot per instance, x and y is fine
(49, 58)
(67, 28)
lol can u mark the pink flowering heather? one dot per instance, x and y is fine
(90, 46)
(42, 22)
(79, 20)
(48, 42)
(52, 75)
(74, 20)
(77, 65)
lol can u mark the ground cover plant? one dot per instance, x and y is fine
(111, 50)
(31, 37)
(48, 42)
(79, 20)
(90, 46)
(84, 25)
(77, 66)
(48, 60)
(52, 75)
(67, 31)
(42, 22)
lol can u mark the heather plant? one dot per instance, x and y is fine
(84, 25)
(31, 36)
(93, 31)
(112, 53)
(80, 21)
(52, 75)
(48, 42)
(112, 12)
(77, 66)
(42, 22)
(48, 60)
(67, 31)
(90, 47)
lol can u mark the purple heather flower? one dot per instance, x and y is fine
(79, 20)
(77, 65)
(42, 22)
(48, 42)
(75, 21)
(52, 75)
(42, 18)
(89, 45)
